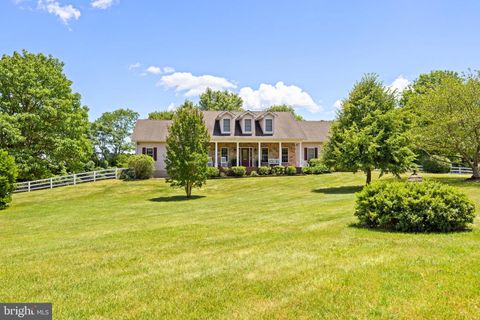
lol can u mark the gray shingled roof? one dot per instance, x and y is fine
(285, 128)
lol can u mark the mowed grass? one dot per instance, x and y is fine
(256, 248)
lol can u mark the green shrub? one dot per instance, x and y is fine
(315, 162)
(414, 207)
(291, 170)
(278, 170)
(238, 171)
(142, 166)
(123, 160)
(253, 174)
(212, 172)
(8, 176)
(318, 169)
(264, 171)
(307, 170)
(223, 174)
(436, 164)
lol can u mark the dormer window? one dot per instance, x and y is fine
(247, 125)
(226, 125)
(268, 125)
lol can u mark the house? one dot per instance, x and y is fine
(243, 138)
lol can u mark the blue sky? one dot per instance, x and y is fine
(152, 55)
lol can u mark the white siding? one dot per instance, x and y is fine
(161, 152)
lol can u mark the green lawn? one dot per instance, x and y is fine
(256, 248)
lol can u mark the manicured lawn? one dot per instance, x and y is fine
(259, 248)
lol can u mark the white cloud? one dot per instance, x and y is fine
(268, 95)
(338, 104)
(171, 107)
(64, 12)
(194, 85)
(154, 70)
(398, 85)
(102, 4)
(134, 66)
(168, 70)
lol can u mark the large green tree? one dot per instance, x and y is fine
(187, 149)
(42, 122)
(370, 132)
(161, 115)
(450, 113)
(285, 108)
(214, 100)
(111, 134)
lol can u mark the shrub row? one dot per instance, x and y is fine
(241, 171)
(414, 207)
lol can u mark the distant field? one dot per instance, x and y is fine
(256, 248)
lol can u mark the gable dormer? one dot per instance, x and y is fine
(226, 121)
(267, 122)
(247, 122)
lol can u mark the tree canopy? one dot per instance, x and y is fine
(370, 132)
(111, 134)
(187, 149)
(161, 115)
(42, 122)
(213, 100)
(285, 108)
(450, 118)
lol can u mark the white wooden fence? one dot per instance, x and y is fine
(455, 170)
(71, 179)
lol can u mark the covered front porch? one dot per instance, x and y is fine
(255, 154)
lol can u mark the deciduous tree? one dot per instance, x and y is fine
(285, 108)
(42, 122)
(161, 115)
(370, 132)
(187, 149)
(214, 100)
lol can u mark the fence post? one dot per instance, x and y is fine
(74, 179)
(116, 173)
(94, 176)
(51, 183)
(28, 186)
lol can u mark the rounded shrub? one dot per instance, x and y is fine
(290, 170)
(278, 170)
(253, 174)
(8, 177)
(213, 172)
(414, 207)
(141, 166)
(436, 164)
(238, 171)
(264, 171)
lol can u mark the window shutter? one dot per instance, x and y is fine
(155, 153)
(305, 154)
(144, 150)
(316, 153)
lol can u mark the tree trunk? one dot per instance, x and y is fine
(476, 172)
(188, 189)
(368, 172)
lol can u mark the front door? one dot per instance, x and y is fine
(246, 157)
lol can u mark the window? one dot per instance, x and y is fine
(264, 154)
(284, 155)
(226, 125)
(269, 125)
(247, 125)
(149, 152)
(224, 154)
(310, 153)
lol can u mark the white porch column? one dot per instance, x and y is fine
(216, 154)
(300, 162)
(280, 153)
(238, 154)
(259, 154)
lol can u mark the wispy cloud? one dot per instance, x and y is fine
(134, 66)
(102, 4)
(64, 12)
(399, 85)
(154, 70)
(338, 104)
(267, 95)
(191, 85)
(168, 70)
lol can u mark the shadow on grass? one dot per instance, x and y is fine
(339, 190)
(357, 225)
(175, 198)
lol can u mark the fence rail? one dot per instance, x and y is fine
(72, 179)
(455, 170)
